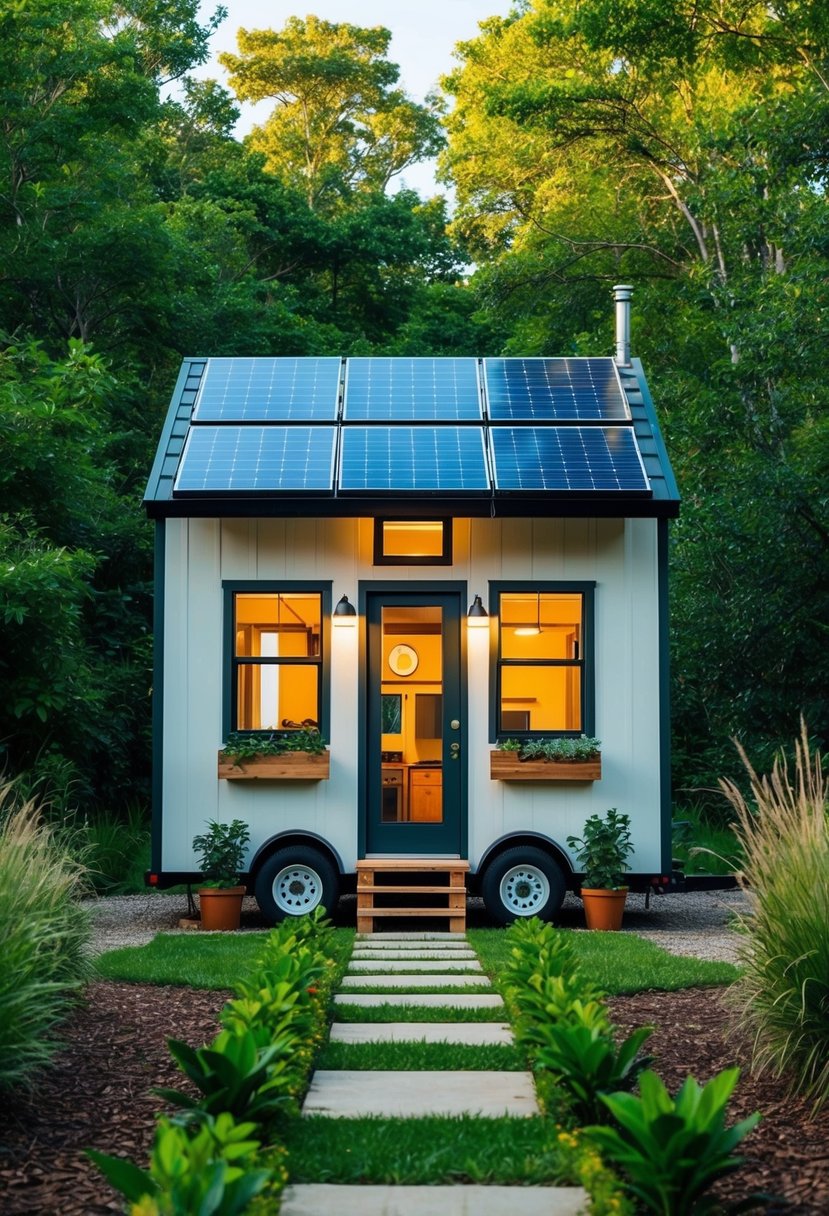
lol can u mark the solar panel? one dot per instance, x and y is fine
(263, 459)
(412, 390)
(413, 458)
(269, 390)
(554, 390)
(567, 458)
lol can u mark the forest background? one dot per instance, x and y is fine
(679, 145)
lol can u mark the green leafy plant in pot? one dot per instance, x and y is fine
(221, 853)
(602, 854)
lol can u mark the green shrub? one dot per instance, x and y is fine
(672, 1150)
(208, 1171)
(782, 996)
(45, 932)
(585, 1060)
(114, 848)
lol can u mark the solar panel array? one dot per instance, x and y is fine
(407, 426)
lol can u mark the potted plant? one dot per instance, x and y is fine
(602, 854)
(221, 853)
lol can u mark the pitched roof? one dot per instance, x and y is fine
(349, 437)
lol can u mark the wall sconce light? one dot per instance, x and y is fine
(477, 617)
(345, 613)
(531, 631)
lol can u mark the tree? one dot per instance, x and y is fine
(680, 146)
(339, 122)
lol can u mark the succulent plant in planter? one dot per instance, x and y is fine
(221, 852)
(602, 854)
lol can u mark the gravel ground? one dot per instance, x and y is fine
(695, 923)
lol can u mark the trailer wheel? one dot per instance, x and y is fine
(294, 881)
(522, 881)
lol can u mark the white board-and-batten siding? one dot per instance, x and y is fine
(619, 555)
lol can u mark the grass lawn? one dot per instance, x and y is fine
(198, 960)
(617, 962)
(425, 1151)
(415, 1057)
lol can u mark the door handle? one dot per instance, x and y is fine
(454, 747)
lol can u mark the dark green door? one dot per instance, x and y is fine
(415, 738)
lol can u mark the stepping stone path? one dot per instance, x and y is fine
(445, 961)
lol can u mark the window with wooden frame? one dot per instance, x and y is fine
(542, 661)
(277, 639)
(413, 542)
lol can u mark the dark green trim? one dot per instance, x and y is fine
(664, 697)
(159, 574)
(445, 558)
(671, 488)
(587, 662)
(230, 587)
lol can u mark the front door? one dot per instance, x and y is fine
(415, 778)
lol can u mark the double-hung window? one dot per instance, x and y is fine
(277, 642)
(542, 670)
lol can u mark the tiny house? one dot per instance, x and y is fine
(417, 561)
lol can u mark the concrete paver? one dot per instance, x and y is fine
(323, 1199)
(414, 981)
(350, 1094)
(476, 1034)
(457, 1000)
(430, 965)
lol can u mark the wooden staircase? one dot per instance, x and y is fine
(426, 883)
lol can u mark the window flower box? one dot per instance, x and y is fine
(506, 766)
(298, 757)
(288, 766)
(547, 760)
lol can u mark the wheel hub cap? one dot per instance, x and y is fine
(524, 890)
(297, 889)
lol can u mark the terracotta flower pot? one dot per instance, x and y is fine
(221, 907)
(604, 909)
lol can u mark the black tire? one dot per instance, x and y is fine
(523, 881)
(294, 881)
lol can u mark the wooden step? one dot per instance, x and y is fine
(370, 885)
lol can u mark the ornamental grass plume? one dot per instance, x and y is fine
(782, 996)
(44, 933)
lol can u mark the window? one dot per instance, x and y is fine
(278, 637)
(413, 542)
(542, 669)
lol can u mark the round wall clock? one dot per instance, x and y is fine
(403, 660)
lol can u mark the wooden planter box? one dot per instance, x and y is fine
(505, 766)
(289, 766)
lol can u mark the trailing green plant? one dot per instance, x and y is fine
(221, 852)
(603, 850)
(782, 994)
(45, 934)
(235, 1074)
(241, 746)
(575, 750)
(671, 1150)
(207, 1170)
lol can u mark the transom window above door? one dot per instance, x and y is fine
(413, 542)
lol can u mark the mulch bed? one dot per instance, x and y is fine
(97, 1094)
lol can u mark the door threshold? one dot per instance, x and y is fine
(412, 857)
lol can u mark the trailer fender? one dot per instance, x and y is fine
(538, 840)
(283, 840)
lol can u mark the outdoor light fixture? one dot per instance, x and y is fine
(531, 631)
(477, 616)
(345, 613)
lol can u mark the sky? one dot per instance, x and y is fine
(424, 33)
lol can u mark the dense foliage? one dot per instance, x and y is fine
(679, 146)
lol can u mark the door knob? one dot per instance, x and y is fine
(454, 747)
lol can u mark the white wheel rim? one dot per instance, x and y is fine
(297, 889)
(524, 890)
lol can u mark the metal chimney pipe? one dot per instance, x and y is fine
(621, 294)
